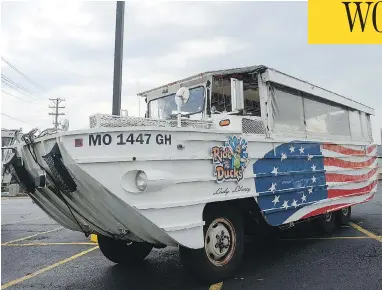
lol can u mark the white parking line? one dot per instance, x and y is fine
(31, 236)
(43, 270)
(24, 220)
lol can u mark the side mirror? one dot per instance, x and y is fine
(237, 95)
(182, 96)
(65, 125)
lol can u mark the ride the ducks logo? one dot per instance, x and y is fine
(230, 160)
(344, 22)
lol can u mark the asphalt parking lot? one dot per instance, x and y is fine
(37, 253)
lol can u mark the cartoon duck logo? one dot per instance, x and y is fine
(230, 160)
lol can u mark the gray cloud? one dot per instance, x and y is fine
(69, 49)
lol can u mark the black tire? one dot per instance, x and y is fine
(327, 222)
(200, 263)
(122, 252)
(343, 216)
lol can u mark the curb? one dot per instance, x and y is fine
(93, 238)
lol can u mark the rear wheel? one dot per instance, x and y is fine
(327, 222)
(223, 246)
(123, 252)
(343, 216)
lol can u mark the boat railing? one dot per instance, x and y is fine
(115, 121)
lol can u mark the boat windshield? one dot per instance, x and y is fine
(164, 108)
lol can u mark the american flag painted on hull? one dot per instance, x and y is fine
(297, 180)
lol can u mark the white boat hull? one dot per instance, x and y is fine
(180, 182)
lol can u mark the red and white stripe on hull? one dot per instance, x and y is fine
(341, 176)
(334, 150)
(351, 174)
(350, 170)
(353, 171)
(353, 162)
(348, 190)
(328, 205)
(352, 184)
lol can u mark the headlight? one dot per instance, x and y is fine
(141, 180)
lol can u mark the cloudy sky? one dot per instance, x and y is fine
(67, 48)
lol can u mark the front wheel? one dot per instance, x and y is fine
(123, 252)
(223, 246)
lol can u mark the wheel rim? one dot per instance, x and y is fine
(220, 242)
(345, 211)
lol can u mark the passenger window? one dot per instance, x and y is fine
(287, 110)
(221, 96)
(365, 123)
(355, 125)
(252, 101)
(322, 117)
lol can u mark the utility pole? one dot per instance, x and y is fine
(118, 57)
(56, 106)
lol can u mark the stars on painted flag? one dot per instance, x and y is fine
(281, 189)
(273, 187)
(276, 199)
(285, 204)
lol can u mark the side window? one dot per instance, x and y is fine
(287, 110)
(322, 117)
(355, 125)
(366, 127)
(316, 116)
(221, 95)
(369, 127)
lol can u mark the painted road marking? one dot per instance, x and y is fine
(49, 244)
(14, 197)
(324, 238)
(366, 232)
(219, 285)
(24, 220)
(216, 286)
(28, 237)
(43, 270)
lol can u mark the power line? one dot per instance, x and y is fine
(7, 81)
(21, 98)
(15, 119)
(56, 106)
(23, 75)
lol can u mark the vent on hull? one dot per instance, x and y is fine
(252, 126)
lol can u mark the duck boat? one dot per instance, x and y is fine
(217, 156)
